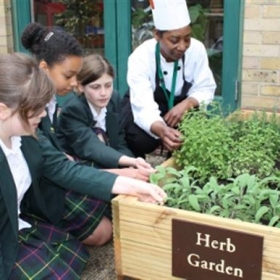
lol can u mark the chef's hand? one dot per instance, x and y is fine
(175, 115)
(171, 138)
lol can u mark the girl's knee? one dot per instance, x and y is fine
(101, 235)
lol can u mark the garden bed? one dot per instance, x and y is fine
(143, 239)
(147, 244)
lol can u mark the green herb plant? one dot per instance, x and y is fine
(227, 147)
(227, 166)
(246, 197)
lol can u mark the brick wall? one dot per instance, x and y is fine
(6, 37)
(261, 55)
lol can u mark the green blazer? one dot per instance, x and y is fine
(52, 174)
(48, 128)
(34, 198)
(74, 131)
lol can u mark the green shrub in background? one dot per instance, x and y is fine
(227, 147)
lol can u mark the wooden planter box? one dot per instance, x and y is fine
(143, 239)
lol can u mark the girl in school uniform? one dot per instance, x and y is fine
(29, 248)
(89, 123)
(32, 246)
(83, 193)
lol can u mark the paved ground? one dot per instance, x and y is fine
(101, 264)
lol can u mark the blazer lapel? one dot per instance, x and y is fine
(9, 191)
(55, 115)
(33, 158)
(49, 131)
(112, 128)
(37, 196)
(92, 122)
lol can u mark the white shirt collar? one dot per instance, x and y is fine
(16, 144)
(51, 107)
(99, 118)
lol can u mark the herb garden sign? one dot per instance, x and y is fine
(235, 235)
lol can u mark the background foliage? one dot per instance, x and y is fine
(228, 147)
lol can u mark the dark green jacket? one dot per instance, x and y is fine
(74, 131)
(52, 173)
(49, 128)
(34, 199)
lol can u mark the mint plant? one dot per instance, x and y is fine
(228, 147)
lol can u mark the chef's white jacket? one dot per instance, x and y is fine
(141, 80)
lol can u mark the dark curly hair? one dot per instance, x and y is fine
(52, 45)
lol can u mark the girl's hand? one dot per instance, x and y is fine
(141, 164)
(144, 191)
(150, 193)
(140, 174)
(135, 173)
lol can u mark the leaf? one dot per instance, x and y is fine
(274, 199)
(185, 181)
(235, 190)
(260, 213)
(172, 186)
(194, 203)
(215, 208)
(155, 178)
(172, 171)
(273, 221)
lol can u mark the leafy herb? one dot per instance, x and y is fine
(246, 197)
(228, 147)
(229, 167)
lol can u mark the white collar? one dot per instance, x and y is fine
(16, 144)
(99, 118)
(102, 113)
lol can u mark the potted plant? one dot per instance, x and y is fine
(237, 203)
(83, 19)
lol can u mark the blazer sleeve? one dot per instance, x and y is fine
(75, 129)
(72, 176)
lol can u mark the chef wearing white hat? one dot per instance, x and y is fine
(167, 76)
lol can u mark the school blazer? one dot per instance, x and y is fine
(52, 175)
(48, 128)
(74, 131)
(34, 199)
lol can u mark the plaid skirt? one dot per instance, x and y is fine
(83, 214)
(46, 252)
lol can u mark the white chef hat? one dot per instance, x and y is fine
(170, 14)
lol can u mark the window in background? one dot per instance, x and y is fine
(81, 18)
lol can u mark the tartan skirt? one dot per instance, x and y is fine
(46, 252)
(83, 214)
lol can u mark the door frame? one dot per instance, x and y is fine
(232, 54)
